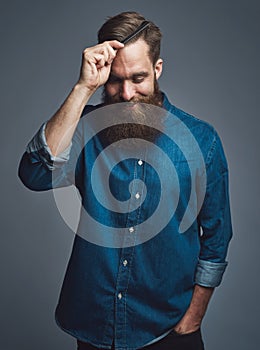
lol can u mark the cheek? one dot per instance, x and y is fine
(145, 88)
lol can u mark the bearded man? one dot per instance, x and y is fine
(140, 291)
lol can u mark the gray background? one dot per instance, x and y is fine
(211, 54)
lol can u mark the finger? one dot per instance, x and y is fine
(99, 60)
(102, 54)
(109, 50)
(111, 54)
(108, 53)
(115, 44)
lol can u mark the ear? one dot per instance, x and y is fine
(158, 68)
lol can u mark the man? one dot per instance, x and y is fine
(152, 293)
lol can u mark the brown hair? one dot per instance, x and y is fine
(124, 24)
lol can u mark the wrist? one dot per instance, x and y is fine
(187, 325)
(83, 90)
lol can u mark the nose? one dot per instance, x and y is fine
(127, 90)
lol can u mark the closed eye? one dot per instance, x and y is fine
(135, 78)
(138, 80)
(139, 77)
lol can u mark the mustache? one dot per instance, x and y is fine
(119, 99)
(155, 98)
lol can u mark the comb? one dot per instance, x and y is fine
(142, 27)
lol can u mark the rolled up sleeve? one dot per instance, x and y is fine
(209, 274)
(38, 145)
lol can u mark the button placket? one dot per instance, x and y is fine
(127, 252)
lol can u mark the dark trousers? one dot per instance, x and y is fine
(173, 341)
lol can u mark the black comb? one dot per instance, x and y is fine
(144, 25)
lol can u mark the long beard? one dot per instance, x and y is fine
(140, 113)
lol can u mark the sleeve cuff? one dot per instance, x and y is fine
(209, 274)
(39, 144)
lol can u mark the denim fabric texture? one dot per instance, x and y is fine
(136, 294)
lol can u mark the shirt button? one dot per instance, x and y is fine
(125, 262)
(140, 162)
(119, 296)
(131, 229)
(137, 195)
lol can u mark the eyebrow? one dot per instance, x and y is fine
(140, 74)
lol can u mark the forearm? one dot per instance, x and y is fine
(60, 128)
(95, 70)
(192, 319)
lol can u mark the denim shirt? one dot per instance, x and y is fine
(136, 293)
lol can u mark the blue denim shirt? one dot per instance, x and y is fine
(137, 293)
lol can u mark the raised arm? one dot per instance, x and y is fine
(95, 70)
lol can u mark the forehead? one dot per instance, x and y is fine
(133, 58)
